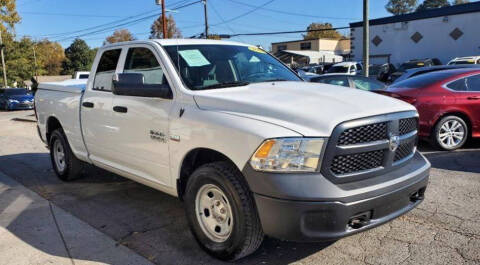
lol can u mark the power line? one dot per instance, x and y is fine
(285, 32)
(291, 13)
(255, 8)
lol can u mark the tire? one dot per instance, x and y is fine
(67, 167)
(240, 217)
(450, 133)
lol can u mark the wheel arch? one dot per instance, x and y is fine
(458, 113)
(52, 124)
(194, 159)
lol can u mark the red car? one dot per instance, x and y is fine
(448, 103)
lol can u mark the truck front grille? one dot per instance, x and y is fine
(364, 134)
(345, 164)
(372, 146)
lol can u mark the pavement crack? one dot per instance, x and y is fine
(60, 233)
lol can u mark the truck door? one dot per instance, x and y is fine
(141, 142)
(96, 108)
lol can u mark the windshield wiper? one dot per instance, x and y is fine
(226, 84)
(274, 80)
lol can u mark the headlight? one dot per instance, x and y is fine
(288, 155)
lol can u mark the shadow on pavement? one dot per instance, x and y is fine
(466, 159)
(147, 221)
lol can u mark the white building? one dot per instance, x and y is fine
(442, 33)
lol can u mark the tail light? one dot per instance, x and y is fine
(407, 99)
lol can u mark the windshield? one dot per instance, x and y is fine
(15, 91)
(338, 69)
(210, 66)
(424, 80)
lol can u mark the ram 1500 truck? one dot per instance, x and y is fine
(250, 148)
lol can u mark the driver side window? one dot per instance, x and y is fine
(142, 61)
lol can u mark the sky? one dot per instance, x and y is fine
(62, 20)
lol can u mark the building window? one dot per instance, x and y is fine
(417, 37)
(281, 47)
(305, 46)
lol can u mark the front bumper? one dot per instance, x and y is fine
(326, 217)
(20, 105)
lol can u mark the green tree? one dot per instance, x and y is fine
(399, 7)
(327, 32)
(156, 30)
(19, 60)
(78, 57)
(429, 4)
(8, 19)
(119, 35)
(459, 2)
(50, 56)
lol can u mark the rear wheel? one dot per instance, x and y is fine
(65, 164)
(221, 212)
(451, 133)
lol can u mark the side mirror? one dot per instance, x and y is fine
(132, 84)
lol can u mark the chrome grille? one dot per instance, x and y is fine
(368, 147)
(364, 134)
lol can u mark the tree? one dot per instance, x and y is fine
(19, 59)
(429, 4)
(78, 57)
(156, 30)
(50, 56)
(460, 2)
(327, 34)
(399, 7)
(119, 35)
(8, 15)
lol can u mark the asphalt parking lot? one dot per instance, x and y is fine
(444, 229)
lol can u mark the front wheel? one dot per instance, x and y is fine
(221, 212)
(450, 133)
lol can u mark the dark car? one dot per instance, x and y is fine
(15, 99)
(448, 103)
(423, 70)
(416, 63)
(353, 81)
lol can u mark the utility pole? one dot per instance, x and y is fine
(206, 18)
(35, 60)
(3, 61)
(366, 38)
(164, 21)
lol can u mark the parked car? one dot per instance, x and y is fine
(81, 75)
(424, 70)
(448, 103)
(350, 68)
(250, 148)
(307, 76)
(465, 60)
(315, 69)
(416, 63)
(16, 99)
(352, 81)
(385, 71)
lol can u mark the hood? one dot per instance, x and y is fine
(311, 109)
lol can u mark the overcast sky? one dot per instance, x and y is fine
(42, 18)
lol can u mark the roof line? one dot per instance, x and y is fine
(429, 13)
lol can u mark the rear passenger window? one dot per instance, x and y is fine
(458, 85)
(473, 83)
(143, 61)
(106, 69)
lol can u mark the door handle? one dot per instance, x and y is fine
(473, 98)
(88, 104)
(120, 109)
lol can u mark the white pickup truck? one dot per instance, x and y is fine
(250, 148)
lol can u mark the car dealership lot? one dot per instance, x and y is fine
(444, 229)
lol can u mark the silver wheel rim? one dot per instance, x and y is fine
(214, 213)
(59, 155)
(451, 133)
